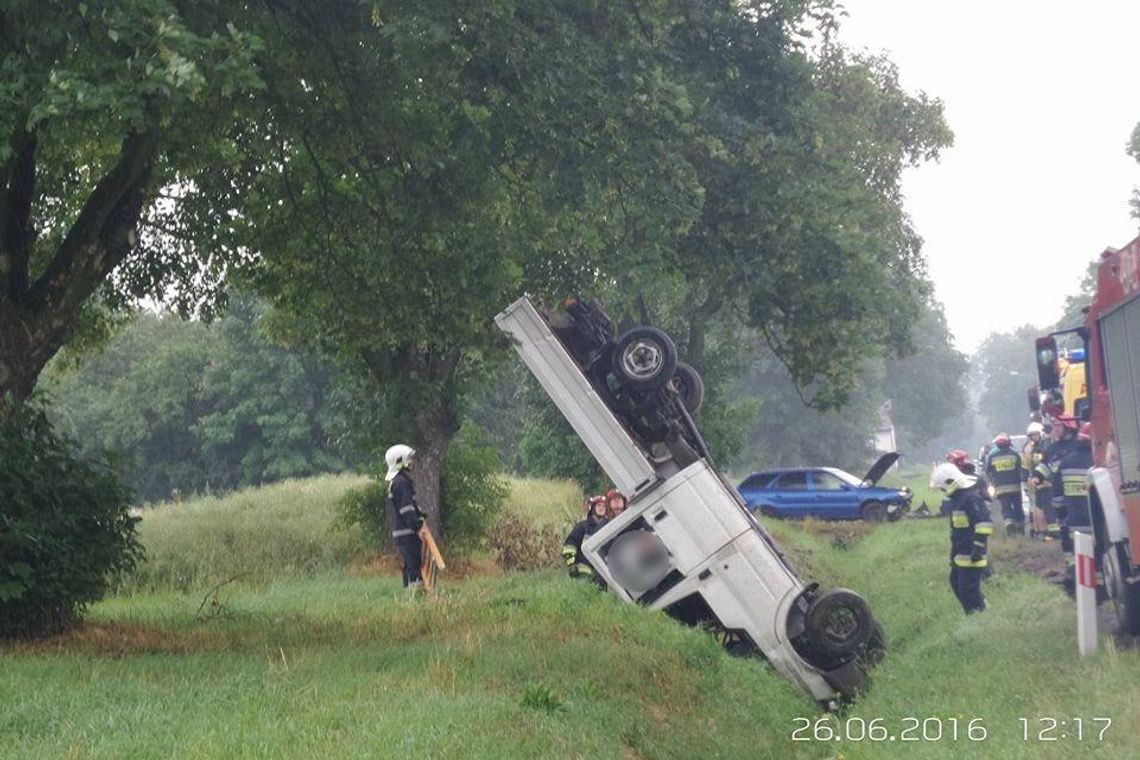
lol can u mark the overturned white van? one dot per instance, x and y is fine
(687, 544)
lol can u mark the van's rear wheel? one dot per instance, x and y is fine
(1116, 566)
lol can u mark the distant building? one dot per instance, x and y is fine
(885, 433)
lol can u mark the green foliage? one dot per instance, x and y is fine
(64, 526)
(366, 507)
(112, 114)
(539, 697)
(473, 490)
(190, 407)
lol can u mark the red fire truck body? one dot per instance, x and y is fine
(1112, 335)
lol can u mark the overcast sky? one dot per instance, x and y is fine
(1042, 98)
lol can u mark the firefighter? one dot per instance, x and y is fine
(1063, 435)
(1071, 487)
(404, 514)
(615, 503)
(961, 459)
(1030, 458)
(1003, 466)
(576, 562)
(970, 529)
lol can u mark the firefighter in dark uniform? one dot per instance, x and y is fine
(1064, 434)
(1071, 487)
(970, 529)
(404, 514)
(1003, 466)
(961, 459)
(576, 562)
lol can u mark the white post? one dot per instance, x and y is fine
(1084, 554)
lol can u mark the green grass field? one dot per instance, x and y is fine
(308, 659)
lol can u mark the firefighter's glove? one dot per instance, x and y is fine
(569, 553)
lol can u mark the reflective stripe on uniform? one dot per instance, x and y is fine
(964, 560)
(402, 532)
(409, 508)
(1008, 488)
(984, 528)
(959, 519)
(1075, 482)
(1004, 463)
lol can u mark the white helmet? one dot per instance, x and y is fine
(1035, 428)
(947, 477)
(397, 458)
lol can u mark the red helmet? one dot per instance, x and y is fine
(958, 457)
(1085, 432)
(1003, 439)
(593, 501)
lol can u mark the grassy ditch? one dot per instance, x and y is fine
(534, 665)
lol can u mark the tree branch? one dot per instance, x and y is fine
(104, 232)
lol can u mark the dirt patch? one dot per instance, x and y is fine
(118, 640)
(1041, 558)
(843, 534)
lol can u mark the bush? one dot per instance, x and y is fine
(522, 545)
(64, 526)
(366, 507)
(472, 490)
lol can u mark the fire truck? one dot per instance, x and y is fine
(1110, 340)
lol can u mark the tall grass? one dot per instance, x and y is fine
(535, 665)
(546, 503)
(257, 534)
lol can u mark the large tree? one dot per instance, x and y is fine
(104, 106)
(414, 167)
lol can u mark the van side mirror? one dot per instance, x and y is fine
(1048, 374)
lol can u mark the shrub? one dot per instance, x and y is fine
(521, 545)
(64, 526)
(366, 507)
(472, 490)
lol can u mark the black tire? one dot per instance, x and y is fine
(838, 624)
(690, 387)
(873, 511)
(1125, 597)
(644, 358)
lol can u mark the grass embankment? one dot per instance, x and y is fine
(257, 534)
(532, 665)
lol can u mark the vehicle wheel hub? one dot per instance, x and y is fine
(642, 359)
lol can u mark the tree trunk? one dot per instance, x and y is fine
(24, 352)
(433, 432)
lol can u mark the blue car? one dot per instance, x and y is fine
(826, 493)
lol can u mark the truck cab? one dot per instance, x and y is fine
(686, 544)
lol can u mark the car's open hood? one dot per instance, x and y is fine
(879, 468)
